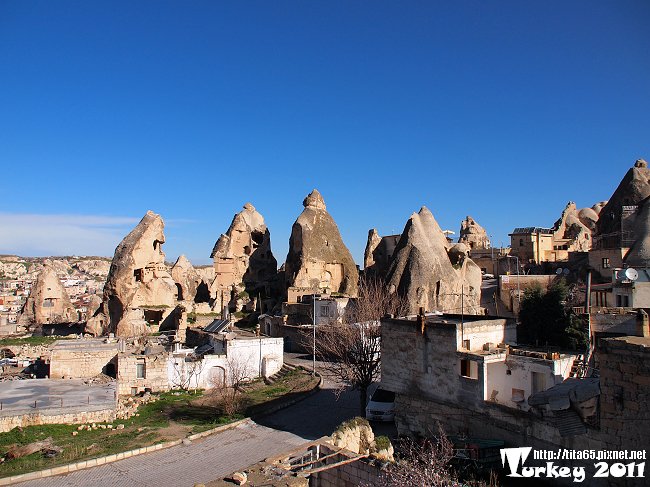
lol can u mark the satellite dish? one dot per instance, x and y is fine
(558, 271)
(566, 272)
(631, 274)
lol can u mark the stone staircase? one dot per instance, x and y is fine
(578, 367)
(286, 369)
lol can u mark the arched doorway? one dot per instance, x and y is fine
(179, 292)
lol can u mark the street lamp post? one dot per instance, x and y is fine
(313, 369)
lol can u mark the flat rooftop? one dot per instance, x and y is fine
(85, 344)
(55, 395)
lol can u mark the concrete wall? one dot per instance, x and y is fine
(253, 357)
(508, 286)
(500, 383)
(486, 331)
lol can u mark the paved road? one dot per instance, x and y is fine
(207, 459)
(221, 454)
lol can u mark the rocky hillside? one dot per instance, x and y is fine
(15, 267)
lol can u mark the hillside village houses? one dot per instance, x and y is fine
(155, 327)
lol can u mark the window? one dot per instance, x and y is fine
(137, 273)
(466, 344)
(521, 242)
(538, 382)
(324, 310)
(517, 395)
(140, 369)
(468, 369)
(622, 301)
(606, 263)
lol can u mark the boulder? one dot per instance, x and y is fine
(429, 273)
(473, 235)
(243, 261)
(318, 260)
(355, 435)
(138, 280)
(48, 301)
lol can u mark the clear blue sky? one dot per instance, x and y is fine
(500, 110)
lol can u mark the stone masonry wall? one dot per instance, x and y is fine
(624, 365)
(351, 474)
(79, 364)
(7, 423)
(155, 376)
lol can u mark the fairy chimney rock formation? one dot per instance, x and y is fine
(378, 254)
(473, 235)
(242, 258)
(573, 231)
(616, 220)
(639, 253)
(48, 301)
(318, 260)
(431, 274)
(186, 279)
(139, 286)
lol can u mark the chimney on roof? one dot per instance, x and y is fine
(642, 324)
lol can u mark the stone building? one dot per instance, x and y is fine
(318, 260)
(83, 359)
(144, 369)
(464, 375)
(244, 265)
(48, 301)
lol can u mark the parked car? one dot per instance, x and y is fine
(487, 277)
(381, 406)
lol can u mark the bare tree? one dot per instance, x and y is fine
(226, 386)
(426, 463)
(187, 371)
(351, 349)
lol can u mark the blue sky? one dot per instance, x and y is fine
(500, 110)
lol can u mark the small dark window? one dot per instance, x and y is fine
(466, 344)
(465, 369)
(521, 242)
(138, 275)
(606, 263)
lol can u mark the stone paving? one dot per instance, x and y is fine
(185, 465)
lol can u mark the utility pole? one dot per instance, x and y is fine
(462, 312)
(313, 368)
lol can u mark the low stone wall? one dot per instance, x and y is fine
(7, 423)
(353, 474)
(624, 365)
